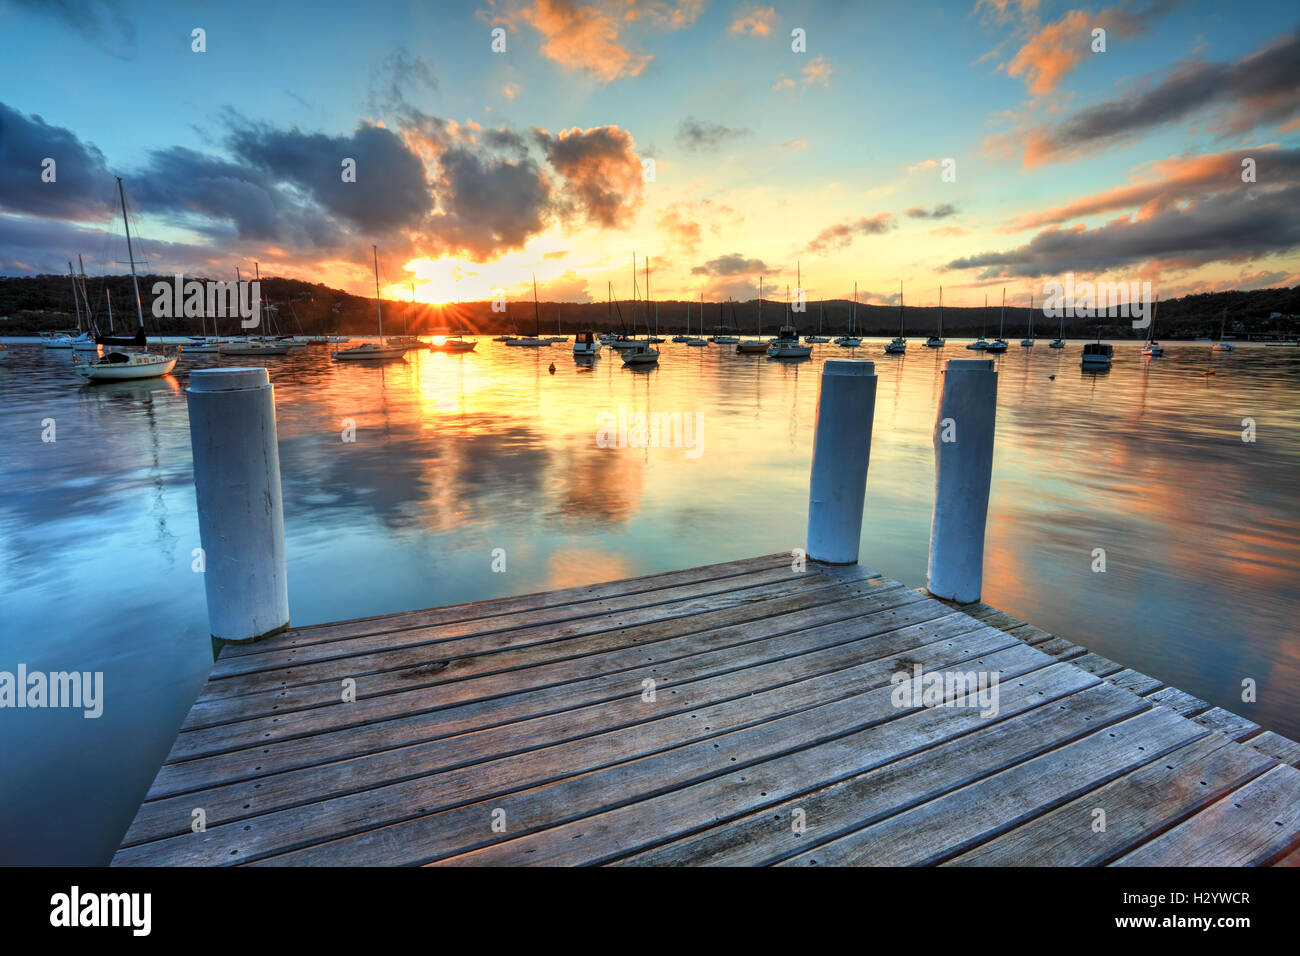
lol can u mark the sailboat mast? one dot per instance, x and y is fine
(940, 311)
(537, 315)
(1003, 314)
(76, 299)
(853, 313)
(760, 307)
(81, 264)
(109, 296)
(900, 308)
(647, 295)
(1031, 315)
(379, 311)
(984, 316)
(135, 283)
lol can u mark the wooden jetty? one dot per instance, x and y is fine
(526, 730)
(762, 711)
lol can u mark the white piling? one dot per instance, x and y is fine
(963, 470)
(241, 515)
(846, 406)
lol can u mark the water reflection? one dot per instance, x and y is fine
(456, 455)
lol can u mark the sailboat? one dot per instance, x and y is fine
(724, 336)
(821, 321)
(758, 345)
(373, 351)
(936, 341)
(85, 342)
(263, 344)
(1000, 344)
(653, 339)
(1059, 341)
(695, 341)
(852, 340)
(117, 364)
(535, 340)
(1153, 347)
(980, 344)
(636, 353)
(899, 344)
(1029, 342)
(1221, 345)
(787, 344)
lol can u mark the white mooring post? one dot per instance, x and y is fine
(241, 515)
(963, 470)
(841, 453)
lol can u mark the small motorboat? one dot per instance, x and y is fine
(997, 345)
(56, 340)
(370, 351)
(640, 354)
(248, 347)
(896, 346)
(1097, 355)
(979, 345)
(751, 346)
(1057, 344)
(586, 345)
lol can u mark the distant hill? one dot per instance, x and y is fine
(33, 304)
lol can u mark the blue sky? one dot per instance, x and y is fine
(816, 158)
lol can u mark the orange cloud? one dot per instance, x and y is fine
(756, 21)
(1052, 52)
(1171, 181)
(583, 38)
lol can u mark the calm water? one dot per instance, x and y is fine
(458, 455)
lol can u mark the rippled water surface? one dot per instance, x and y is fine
(457, 455)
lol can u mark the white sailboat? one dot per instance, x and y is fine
(898, 344)
(119, 363)
(979, 345)
(1152, 347)
(755, 346)
(1028, 343)
(1059, 341)
(1000, 344)
(695, 340)
(1221, 345)
(936, 341)
(821, 321)
(852, 340)
(373, 351)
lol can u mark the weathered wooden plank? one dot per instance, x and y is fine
(398, 822)
(1096, 664)
(1137, 806)
(1227, 723)
(464, 680)
(1179, 701)
(1134, 681)
(501, 699)
(745, 816)
(1030, 635)
(1061, 648)
(477, 610)
(360, 655)
(959, 820)
(168, 816)
(1251, 826)
(1280, 748)
(315, 684)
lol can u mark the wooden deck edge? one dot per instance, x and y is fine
(1239, 729)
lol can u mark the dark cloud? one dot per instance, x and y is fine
(938, 212)
(391, 188)
(1238, 225)
(732, 265)
(102, 22)
(488, 205)
(1256, 90)
(696, 134)
(842, 234)
(602, 173)
(83, 186)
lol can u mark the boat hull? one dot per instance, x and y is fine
(118, 372)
